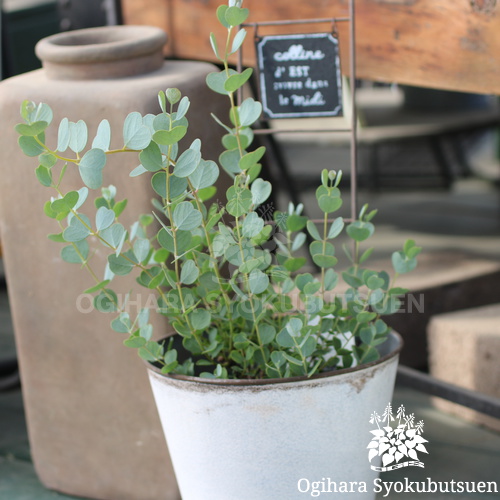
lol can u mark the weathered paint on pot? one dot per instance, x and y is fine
(250, 440)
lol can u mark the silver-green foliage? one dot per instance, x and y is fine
(245, 324)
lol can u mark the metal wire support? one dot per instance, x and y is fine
(352, 81)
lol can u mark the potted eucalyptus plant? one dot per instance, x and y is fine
(268, 384)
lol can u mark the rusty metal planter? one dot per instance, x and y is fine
(265, 439)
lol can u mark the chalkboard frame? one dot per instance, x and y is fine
(269, 97)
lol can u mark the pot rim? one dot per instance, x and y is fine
(100, 44)
(272, 381)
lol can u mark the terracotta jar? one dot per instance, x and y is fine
(92, 423)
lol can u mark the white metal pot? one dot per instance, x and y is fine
(272, 439)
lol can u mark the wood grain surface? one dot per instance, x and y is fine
(450, 44)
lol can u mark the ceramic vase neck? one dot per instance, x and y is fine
(102, 53)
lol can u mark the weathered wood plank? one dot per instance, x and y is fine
(435, 43)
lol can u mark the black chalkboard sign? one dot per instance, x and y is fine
(300, 75)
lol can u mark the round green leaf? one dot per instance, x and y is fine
(216, 80)
(106, 301)
(238, 40)
(322, 260)
(252, 225)
(189, 272)
(103, 136)
(104, 217)
(169, 137)
(166, 240)
(76, 255)
(249, 111)
(258, 281)
(186, 217)
(230, 161)
(135, 134)
(76, 230)
(221, 15)
(29, 146)
(63, 135)
(182, 109)
(91, 166)
(234, 82)
(236, 15)
(313, 230)
(44, 175)
(261, 190)
(200, 319)
(141, 248)
(336, 228)
(360, 231)
(267, 333)
(151, 157)
(119, 265)
(47, 159)
(329, 204)
(187, 163)
(78, 136)
(32, 130)
(239, 201)
(403, 264)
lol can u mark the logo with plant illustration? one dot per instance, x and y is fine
(397, 441)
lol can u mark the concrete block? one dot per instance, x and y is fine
(464, 349)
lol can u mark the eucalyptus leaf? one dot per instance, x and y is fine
(120, 265)
(200, 319)
(236, 15)
(252, 225)
(43, 175)
(182, 109)
(216, 81)
(186, 217)
(76, 253)
(360, 231)
(189, 272)
(205, 175)
(239, 201)
(32, 130)
(187, 163)
(78, 133)
(267, 334)
(234, 82)
(221, 15)
(30, 146)
(169, 137)
(249, 112)
(47, 159)
(336, 228)
(151, 157)
(230, 161)
(104, 218)
(403, 264)
(91, 166)
(313, 230)
(238, 40)
(113, 235)
(261, 190)
(258, 281)
(77, 230)
(135, 134)
(141, 249)
(250, 159)
(102, 139)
